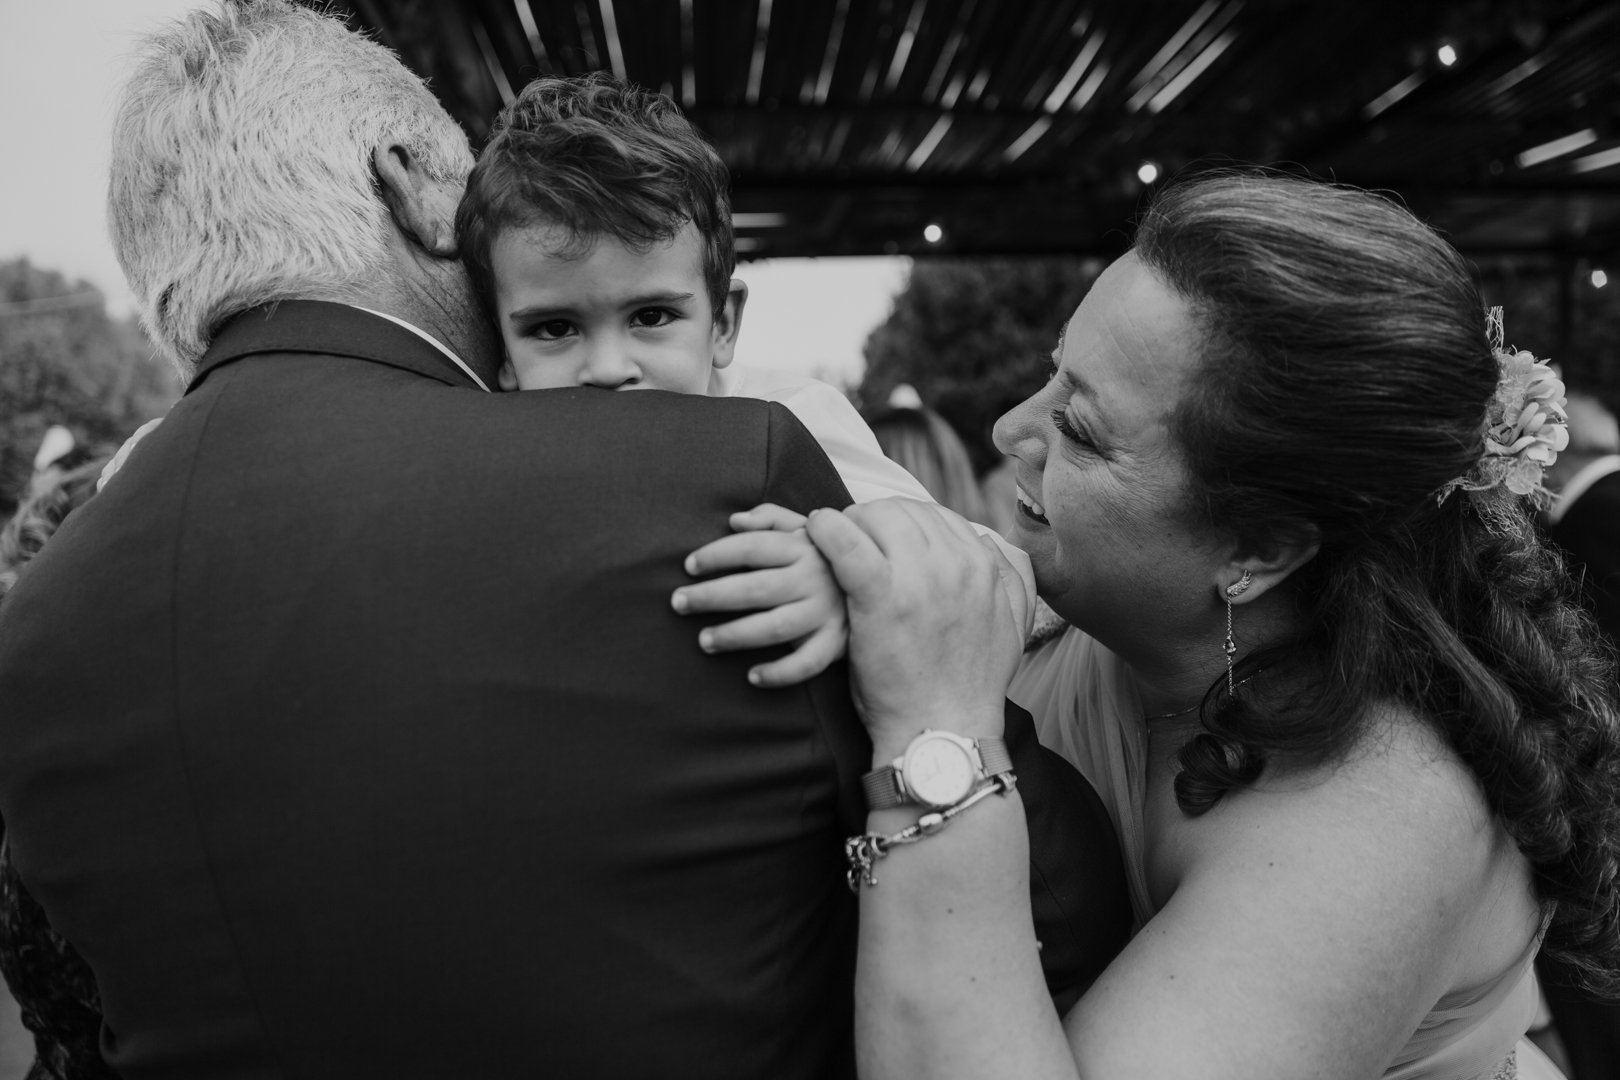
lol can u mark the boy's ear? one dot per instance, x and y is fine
(424, 210)
(728, 324)
(507, 378)
(1267, 564)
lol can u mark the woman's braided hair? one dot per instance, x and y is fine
(1344, 381)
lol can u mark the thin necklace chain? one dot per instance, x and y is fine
(1183, 712)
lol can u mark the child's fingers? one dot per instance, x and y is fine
(784, 623)
(749, 590)
(748, 551)
(813, 656)
(767, 516)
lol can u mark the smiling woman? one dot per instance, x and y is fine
(1357, 742)
(1105, 531)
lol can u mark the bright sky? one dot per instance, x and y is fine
(62, 63)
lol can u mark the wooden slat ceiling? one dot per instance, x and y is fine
(1020, 127)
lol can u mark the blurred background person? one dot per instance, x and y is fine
(65, 474)
(55, 993)
(1585, 523)
(922, 443)
(998, 488)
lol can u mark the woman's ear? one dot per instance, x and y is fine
(1265, 565)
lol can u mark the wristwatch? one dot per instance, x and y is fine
(937, 770)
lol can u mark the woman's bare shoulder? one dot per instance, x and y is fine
(1399, 814)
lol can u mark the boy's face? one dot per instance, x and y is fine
(612, 318)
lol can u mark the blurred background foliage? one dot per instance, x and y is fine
(64, 360)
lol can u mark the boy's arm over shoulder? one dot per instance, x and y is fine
(839, 429)
(854, 450)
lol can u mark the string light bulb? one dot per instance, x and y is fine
(1447, 55)
(1147, 172)
(933, 233)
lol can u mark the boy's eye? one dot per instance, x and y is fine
(648, 317)
(552, 328)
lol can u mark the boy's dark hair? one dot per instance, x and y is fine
(596, 155)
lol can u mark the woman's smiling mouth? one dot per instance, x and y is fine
(1029, 507)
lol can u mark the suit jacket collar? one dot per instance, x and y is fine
(318, 326)
(1580, 483)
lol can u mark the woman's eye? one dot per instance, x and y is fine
(1060, 420)
(648, 317)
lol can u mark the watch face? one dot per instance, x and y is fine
(938, 772)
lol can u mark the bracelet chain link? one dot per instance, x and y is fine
(864, 850)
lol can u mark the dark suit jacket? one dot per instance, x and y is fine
(1589, 532)
(349, 733)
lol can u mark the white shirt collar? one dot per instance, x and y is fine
(1590, 474)
(431, 340)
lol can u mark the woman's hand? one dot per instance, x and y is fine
(770, 568)
(933, 642)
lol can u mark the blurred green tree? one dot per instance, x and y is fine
(64, 360)
(975, 337)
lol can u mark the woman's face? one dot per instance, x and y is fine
(1100, 481)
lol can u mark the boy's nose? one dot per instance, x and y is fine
(609, 368)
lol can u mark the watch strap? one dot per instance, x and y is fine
(883, 790)
(993, 755)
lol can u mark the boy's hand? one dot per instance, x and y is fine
(773, 570)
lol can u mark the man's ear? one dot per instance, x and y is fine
(1267, 564)
(728, 324)
(424, 210)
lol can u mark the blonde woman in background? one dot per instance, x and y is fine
(921, 442)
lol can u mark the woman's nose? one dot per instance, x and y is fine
(1016, 433)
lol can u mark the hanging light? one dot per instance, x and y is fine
(933, 233)
(1447, 55)
(1147, 172)
(1599, 279)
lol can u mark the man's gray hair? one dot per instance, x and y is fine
(242, 169)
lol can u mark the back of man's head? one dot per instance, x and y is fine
(242, 164)
(595, 156)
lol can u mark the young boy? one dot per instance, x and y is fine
(597, 229)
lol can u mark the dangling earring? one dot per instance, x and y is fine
(1229, 646)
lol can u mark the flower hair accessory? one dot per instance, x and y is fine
(1525, 424)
